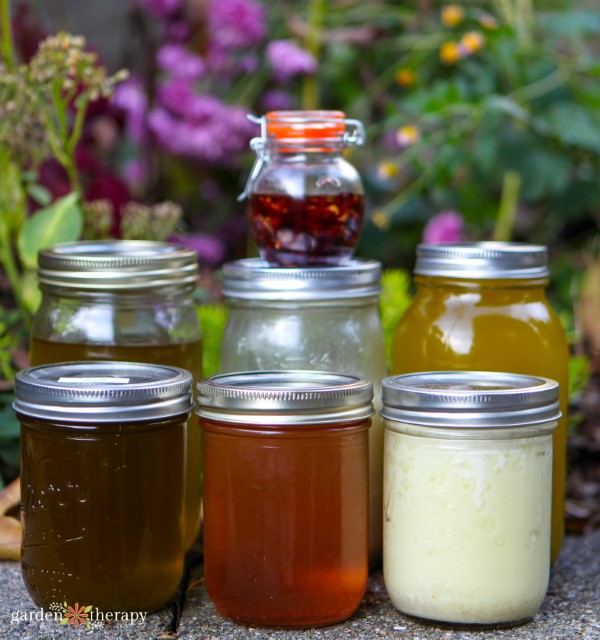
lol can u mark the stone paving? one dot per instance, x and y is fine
(571, 611)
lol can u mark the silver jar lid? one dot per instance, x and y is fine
(482, 260)
(285, 398)
(109, 265)
(470, 399)
(254, 279)
(102, 391)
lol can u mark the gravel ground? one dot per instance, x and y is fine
(571, 611)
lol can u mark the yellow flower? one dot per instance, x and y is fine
(387, 169)
(449, 53)
(381, 221)
(472, 42)
(452, 15)
(405, 77)
(405, 136)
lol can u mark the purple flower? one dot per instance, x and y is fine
(161, 8)
(179, 62)
(446, 226)
(236, 24)
(130, 97)
(135, 173)
(277, 100)
(178, 30)
(210, 250)
(289, 60)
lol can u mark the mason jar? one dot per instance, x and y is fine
(467, 485)
(482, 306)
(286, 495)
(305, 199)
(102, 484)
(323, 318)
(124, 300)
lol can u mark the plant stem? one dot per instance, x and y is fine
(8, 262)
(316, 14)
(507, 211)
(8, 46)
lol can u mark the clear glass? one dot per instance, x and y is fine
(489, 325)
(343, 336)
(286, 522)
(306, 206)
(157, 326)
(103, 524)
(467, 524)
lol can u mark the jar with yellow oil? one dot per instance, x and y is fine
(482, 306)
(130, 301)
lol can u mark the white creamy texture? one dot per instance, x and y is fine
(467, 527)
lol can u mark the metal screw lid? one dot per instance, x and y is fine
(470, 399)
(109, 265)
(103, 391)
(254, 279)
(482, 260)
(285, 398)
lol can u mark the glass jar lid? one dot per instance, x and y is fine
(254, 279)
(470, 399)
(103, 391)
(284, 398)
(109, 265)
(482, 260)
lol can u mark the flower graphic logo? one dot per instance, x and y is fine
(77, 615)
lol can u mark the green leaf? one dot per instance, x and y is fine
(39, 194)
(31, 296)
(60, 222)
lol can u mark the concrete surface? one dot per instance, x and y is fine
(571, 611)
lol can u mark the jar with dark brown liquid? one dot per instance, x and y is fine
(102, 483)
(286, 502)
(305, 200)
(124, 301)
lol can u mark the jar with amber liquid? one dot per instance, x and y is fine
(305, 199)
(286, 495)
(102, 485)
(129, 301)
(482, 306)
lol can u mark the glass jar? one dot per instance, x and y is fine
(467, 485)
(482, 306)
(102, 485)
(305, 200)
(129, 301)
(324, 318)
(286, 496)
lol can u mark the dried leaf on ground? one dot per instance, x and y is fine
(10, 497)
(10, 538)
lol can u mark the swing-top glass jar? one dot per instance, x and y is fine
(124, 300)
(306, 201)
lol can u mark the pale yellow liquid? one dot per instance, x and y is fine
(490, 326)
(187, 356)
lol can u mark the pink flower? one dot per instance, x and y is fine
(210, 250)
(289, 60)
(179, 62)
(236, 24)
(444, 227)
(130, 97)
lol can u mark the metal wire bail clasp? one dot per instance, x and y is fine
(259, 146)
(355, 134)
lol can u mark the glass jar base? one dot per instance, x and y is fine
(468, 626)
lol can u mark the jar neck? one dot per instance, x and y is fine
(174, 292)
(316, 150)
(467, 284)
(345, 303)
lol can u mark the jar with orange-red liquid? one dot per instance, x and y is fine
(482, 306)
(286, 495)
(305, 200)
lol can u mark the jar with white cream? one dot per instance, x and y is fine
(467, 494)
